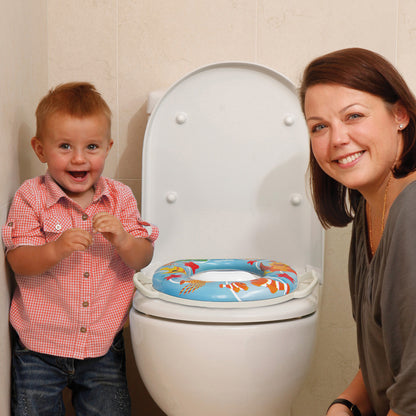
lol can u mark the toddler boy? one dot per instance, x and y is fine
(74, 240)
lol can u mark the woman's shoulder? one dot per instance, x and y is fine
(406, 196)
(403, 211)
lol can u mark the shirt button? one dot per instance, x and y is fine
(85, 304)
(10, 224)
(86, 274)
(84, 217)
(83, 329)
(58, 227)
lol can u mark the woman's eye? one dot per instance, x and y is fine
(354, 116)
(317, 128)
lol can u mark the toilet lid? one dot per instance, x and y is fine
(224, 159)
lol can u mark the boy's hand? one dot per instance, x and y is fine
(72, 240)
(111, 228)
(135, 252)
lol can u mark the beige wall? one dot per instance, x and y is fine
(23, 76)
(130, 47)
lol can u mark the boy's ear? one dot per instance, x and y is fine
(37, 146)
(110, 145)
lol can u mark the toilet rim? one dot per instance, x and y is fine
(301, 287)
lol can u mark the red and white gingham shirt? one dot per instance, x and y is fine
(75, 308)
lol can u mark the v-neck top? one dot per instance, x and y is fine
(383, 293)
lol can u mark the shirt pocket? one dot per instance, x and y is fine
(54, 226)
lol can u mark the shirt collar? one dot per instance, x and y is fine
(55, 192)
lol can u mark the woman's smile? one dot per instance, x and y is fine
(346, 160)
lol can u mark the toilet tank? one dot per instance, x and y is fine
(224, 169)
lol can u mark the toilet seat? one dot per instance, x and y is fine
(299, 303)
(183, 279)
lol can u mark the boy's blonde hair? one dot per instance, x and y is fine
(77, 99)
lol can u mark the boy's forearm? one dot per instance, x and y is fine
(137, 253)
(33, 260)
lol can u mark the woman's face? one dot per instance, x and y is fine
(355, 136)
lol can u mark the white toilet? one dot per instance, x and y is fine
(224, 161)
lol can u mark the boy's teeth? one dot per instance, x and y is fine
(350, 158)
(78, 174)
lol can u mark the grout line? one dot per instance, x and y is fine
(256, 38)
(117, 89)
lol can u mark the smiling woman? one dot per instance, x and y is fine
(361, 118)
(357, 70)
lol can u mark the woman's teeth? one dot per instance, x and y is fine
(350, 158)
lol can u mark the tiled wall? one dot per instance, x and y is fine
(23, 76)
(131, 47)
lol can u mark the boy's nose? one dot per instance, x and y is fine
(78, 157)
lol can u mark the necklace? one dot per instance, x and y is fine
(370, 234)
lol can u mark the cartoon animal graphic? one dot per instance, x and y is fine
(191, 285)
(181, 279)
(235, 286)
(272, 285)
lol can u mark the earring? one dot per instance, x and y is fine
(401, 127)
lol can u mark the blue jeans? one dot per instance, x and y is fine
(99, 385)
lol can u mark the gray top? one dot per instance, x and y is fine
(383, 293)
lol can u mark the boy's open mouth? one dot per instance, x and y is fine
(78, 174)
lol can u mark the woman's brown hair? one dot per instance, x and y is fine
(367, 71)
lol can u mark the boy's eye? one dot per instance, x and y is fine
(65, 146)
(92, 147)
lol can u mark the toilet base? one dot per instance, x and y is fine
(223, 370)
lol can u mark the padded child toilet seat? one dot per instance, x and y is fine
(270, 279)
(271, 283)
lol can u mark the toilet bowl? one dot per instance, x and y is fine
(224, 319)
